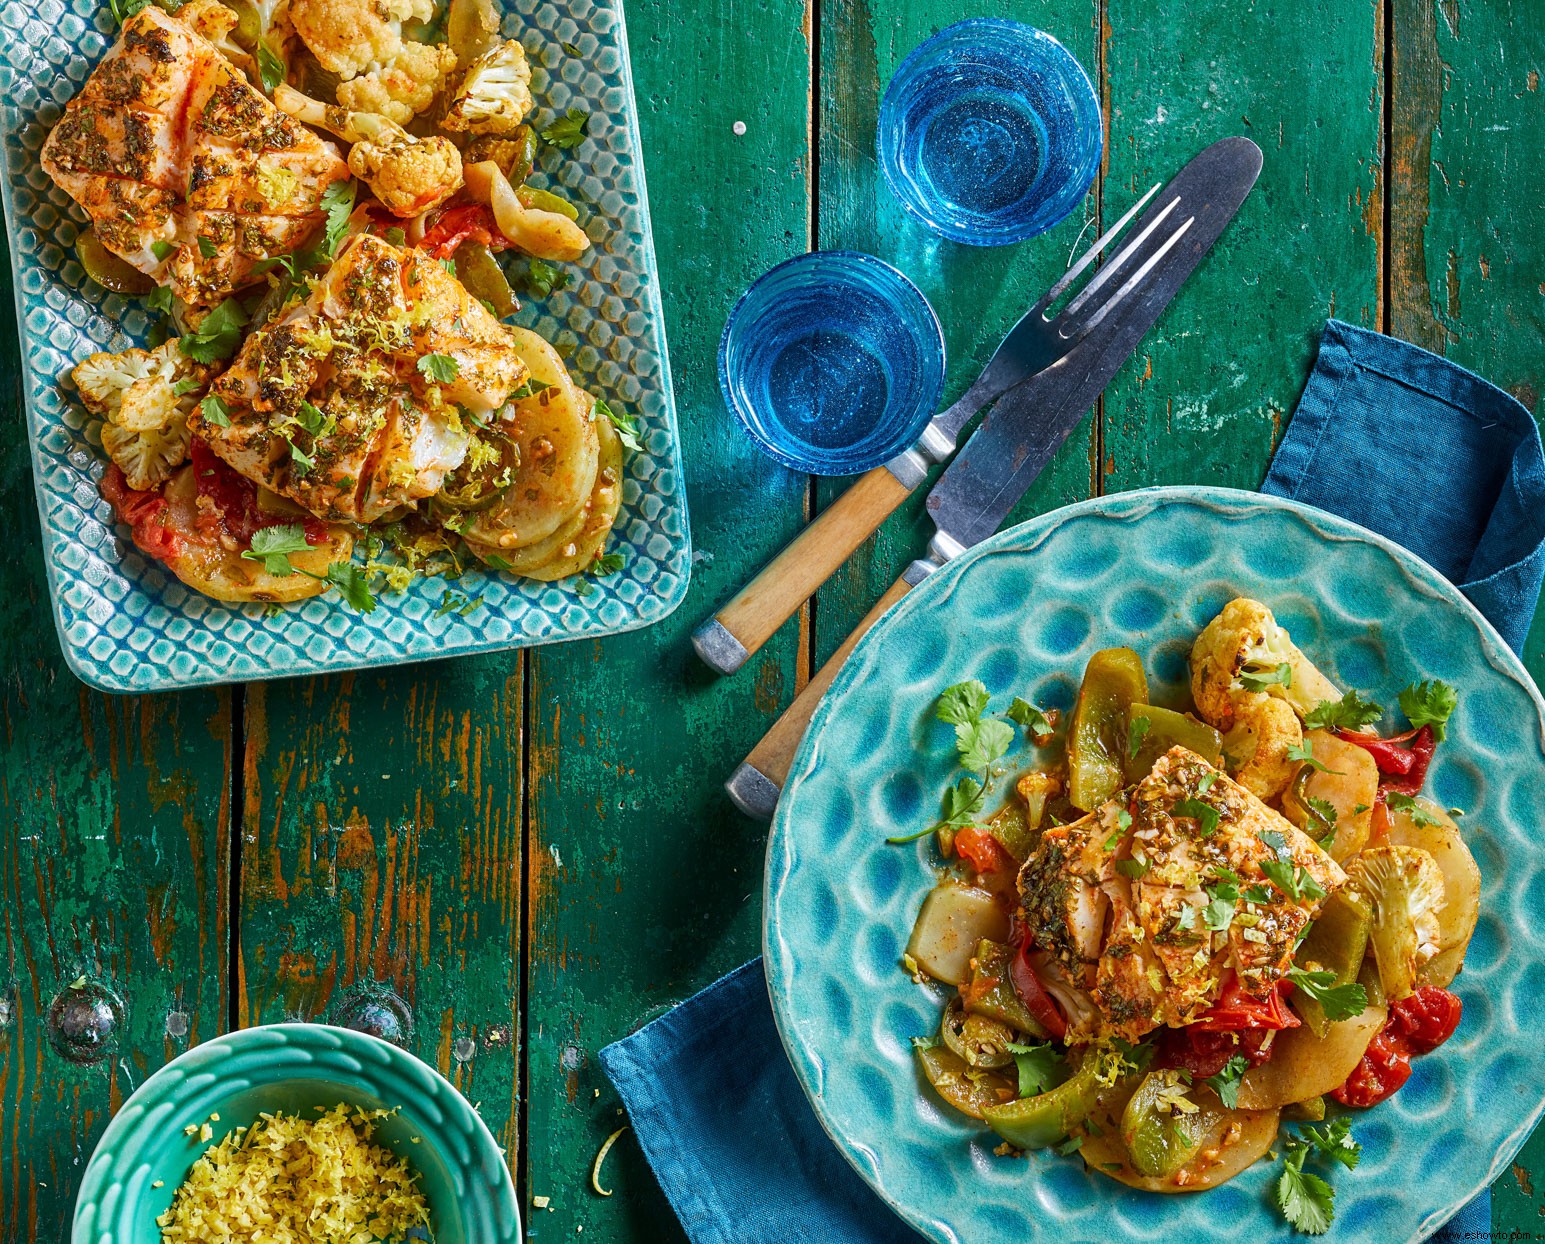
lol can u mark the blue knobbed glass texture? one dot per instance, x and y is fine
(833, 362)
(990, 132)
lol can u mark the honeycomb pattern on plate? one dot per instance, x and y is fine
(1023, 612)
(126, 623)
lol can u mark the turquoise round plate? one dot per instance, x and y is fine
(144, 1154)
(1023, 612)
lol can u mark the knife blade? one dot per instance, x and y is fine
(1020, 434)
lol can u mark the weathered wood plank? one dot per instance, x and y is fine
(1466, 189)
(978, 293)
(380, 865)
(644, 884)
(1207, 394)
(113, 868)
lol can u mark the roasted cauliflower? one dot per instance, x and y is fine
(495, 96)
(363, 44)
(1264, 729)
(409, 175)
(1405, 887)
(1244, 650)
(144, 398)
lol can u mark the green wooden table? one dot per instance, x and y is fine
(509, 861)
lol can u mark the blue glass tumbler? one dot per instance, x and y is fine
(833, 362)
(990, 132)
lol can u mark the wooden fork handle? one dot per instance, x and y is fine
(756, 784)
(727, 640)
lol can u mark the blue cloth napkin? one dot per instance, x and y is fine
(1387, 435)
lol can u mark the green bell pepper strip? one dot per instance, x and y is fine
(1039, 1121)
(1163, 730)
(990, 991)
(1337, 942)
(1097, 740)
(1161, 1141)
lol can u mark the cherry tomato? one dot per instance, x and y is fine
(1033, 994)
(1402, 758)
(1384, 1068)
(1426, 1019)
(984, 852)
(1237, 1009)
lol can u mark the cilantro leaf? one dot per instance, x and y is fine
(353, 585)
(1337, 1001)
(1407, 803)
(570, 50)
(1306, 1200)
(314, 420)
(273, 545)
(1305, 752)
(125, 9)
(982, 743)
(626, 425)
(1218, 914)
(1259, 680)
(301, 459)
(542, 278)
(1334, 1141)
(1134, 868)
(568, 130)
(160, 299)
(396, 236)
(1226, 1083)
(962, 704)
(1429, 704)
(1136, 733)
(606, 564)
(1038, 1065)
(161, 249)
(1036, 723)
(215, 411)
(1350, 712)
(206, 247)
(270, 66)
(441, 368)
(217, 337)
(1204, 814)
(338, 205)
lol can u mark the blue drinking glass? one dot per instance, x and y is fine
(833, 362)
(990, 132)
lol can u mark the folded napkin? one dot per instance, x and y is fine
(1387, 435)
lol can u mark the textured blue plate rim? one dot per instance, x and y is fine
(926, 409)
(1024, 538)
(679, 561)
(1006, 236)
(231, 1042)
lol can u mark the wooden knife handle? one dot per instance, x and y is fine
(757, 783)
(748, 621)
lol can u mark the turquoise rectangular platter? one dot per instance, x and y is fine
(126, 624)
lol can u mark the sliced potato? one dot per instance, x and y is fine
(1350, 785)
(559, 456)
(600, 512)
(953, 919)
(1235, 1141)
(207, 566)
(1461, 886)
(1303, 1065)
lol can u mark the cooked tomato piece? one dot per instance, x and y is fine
(1236, 1009)
(984, 852)
(144, 512)
(1426, 1019)
(1384, 1068)
(457, 224)
(1402, 759)
(234, 497)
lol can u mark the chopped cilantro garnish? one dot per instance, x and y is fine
(1337, 1001)
(1226, 1083)
(626, 425)
(1036, 723)
(1350, 712)
(1322, 813)
(1204, 814)
(1406, 803)
(1305, 752)
(979, 741)
(207, 248)
(1136, 733)
(1134, 868)
(1038, 1067)
(606, 564)
(215, 411)
(161, 249)
(338, 205)
(1259, 680)
(270, 66)
(542, 278)
(217, 337)
(396, 236)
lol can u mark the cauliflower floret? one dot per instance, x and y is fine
(209, 19)
(1244, 650)
(1036, 788)
(144, 398)
(495, 96)
(351, 37)
(1405, 886)
(404, 87)
(1257, 745)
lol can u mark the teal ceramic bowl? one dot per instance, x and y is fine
(293, 1067)
(1023, 612)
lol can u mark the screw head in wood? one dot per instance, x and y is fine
(378, 1012)
(83, 1021)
